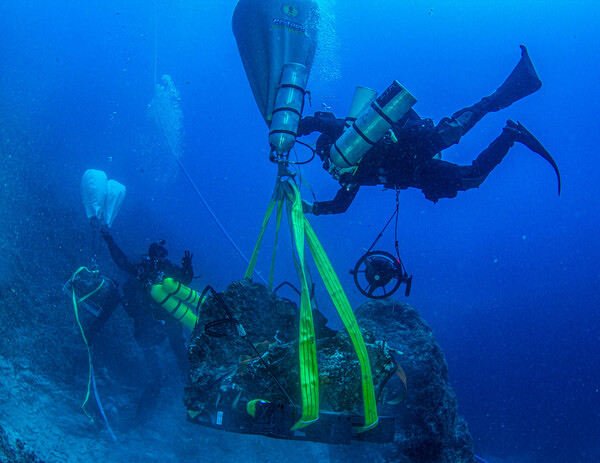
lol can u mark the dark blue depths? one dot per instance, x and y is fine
(506, 275)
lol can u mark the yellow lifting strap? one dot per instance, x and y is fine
(301, 231)
(177, 299)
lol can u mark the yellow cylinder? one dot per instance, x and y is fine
(187, 295)
(175, 306)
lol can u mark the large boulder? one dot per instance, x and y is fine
(225, 366)
(263, 364)
(429, 428)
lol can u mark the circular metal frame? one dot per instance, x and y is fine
(378, 274)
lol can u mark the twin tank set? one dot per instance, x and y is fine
(367, 122)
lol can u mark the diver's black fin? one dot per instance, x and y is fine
(525, 137)
(522, 81)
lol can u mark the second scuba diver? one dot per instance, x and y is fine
(405, 156)
(152, 324)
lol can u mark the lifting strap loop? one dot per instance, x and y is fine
(302, 232)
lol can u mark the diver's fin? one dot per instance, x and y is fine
(522, 81)
(524, 136)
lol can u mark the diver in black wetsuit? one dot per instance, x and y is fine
(406, 156)
(152, 324)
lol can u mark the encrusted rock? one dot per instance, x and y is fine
(429, 428)
(226, 366)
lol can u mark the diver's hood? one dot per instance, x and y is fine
(269, 34)
(157, 251)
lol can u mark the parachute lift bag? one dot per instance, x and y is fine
(270, 34)
(102, 198)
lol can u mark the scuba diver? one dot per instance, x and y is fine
(407, 156)
(152, 323)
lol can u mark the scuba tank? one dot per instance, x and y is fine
(363, 97)
(288, 108)
(178, 300)
(371, 125)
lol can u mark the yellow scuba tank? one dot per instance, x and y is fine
(371, 125)
(176, 299)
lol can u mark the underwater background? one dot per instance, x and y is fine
(506, 275)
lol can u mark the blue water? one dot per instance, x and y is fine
(507, 275)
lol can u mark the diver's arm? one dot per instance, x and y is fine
(183, 274)
(337, 205)
(117, 255)
(187, 271)
(186, 274)
(323, 122)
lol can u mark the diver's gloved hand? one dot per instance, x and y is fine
(307, 207)
(321, 122)
(306, 126)
(186, 261)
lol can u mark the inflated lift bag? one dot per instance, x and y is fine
(94, 184)
(102, 198)
(269, 34)
(115, 194)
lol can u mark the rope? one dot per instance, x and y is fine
(212, 214)
(87, 346)
(155, 42)
(239, 251)
(110, 431)
(91, 377)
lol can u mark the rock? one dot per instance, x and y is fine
(429, 428)
(225, 367)
(15, 451)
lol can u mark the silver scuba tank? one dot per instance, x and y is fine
(363, 97)
(371, 125)
(288, 107)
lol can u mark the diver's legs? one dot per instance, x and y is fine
(179, 346)
(488, 159)
(149, 399)
(522, 81)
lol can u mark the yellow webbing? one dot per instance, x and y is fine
(307, 346)
(252, 263)
(339, 299)
(273, 255)
(75, 308)
(300, 229)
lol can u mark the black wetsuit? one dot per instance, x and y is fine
(152, 323)
(408, 162)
